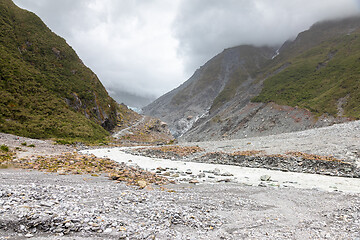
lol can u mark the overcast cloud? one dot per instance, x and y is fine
(149, 47)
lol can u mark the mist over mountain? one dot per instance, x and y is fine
(130, 99)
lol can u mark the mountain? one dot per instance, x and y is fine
(211, 86)
(247, 91)
(46, 90)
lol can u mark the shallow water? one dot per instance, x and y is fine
(243, 175)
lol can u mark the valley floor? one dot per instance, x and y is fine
(39, 205)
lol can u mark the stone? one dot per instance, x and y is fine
(188, 171)
(142, 183)
(227, 174)
(193, 181)
(224, 180)
(265, 178)
(201, 175)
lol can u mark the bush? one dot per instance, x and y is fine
(4, 148)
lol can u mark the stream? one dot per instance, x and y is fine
(204, 173)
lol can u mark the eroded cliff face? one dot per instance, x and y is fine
(247, 91)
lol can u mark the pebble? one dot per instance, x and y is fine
(201, 175)
(265, 178)
(193, 181)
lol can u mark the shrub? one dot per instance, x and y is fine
(4, 148)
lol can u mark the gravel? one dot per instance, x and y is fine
(340, 140)
(29, 147)
(36, 205)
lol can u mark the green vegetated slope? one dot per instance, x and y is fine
(46, 91)
(322, 68)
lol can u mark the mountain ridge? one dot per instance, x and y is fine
(255, 108)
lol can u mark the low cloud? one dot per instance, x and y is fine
(205, 28)
(147, 48)
(128, 43)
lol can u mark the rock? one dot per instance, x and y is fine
(188, 171)
(201, 175)
(265, 178)
(68, 224)
(108, 230)
(262, 184)
(193, 181)
(142, 183)
(29, 235)
(216, 171)
(227, 174)
(224, 180)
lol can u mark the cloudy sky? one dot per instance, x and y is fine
(148, 47)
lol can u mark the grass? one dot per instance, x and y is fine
(6, 156)
(316, 81)
(4, 148)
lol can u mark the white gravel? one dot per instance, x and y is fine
(341, 141)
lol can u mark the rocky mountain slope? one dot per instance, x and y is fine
(211, 86)
(309, 82)
(46, 90)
